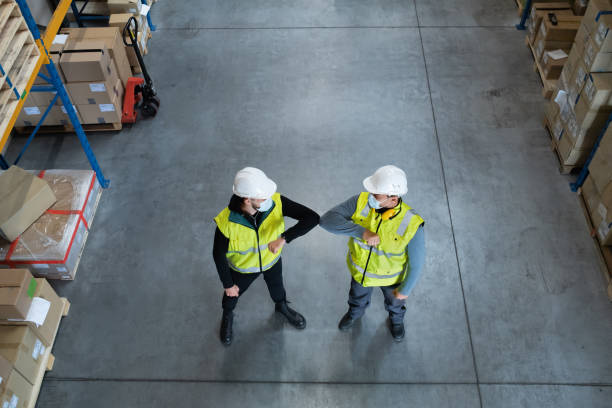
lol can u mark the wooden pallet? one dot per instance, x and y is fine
(102, 127)
(18, 57)
(549, 86)
(604, 253)
(563, 168)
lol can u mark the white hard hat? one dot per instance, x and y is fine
(389, 180)
(253, 183)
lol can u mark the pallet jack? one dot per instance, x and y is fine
(139, 92)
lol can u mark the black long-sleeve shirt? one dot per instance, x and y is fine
(307, 220)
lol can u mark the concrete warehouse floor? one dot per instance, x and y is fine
(511, 309)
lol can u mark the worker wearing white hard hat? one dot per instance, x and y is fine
(386, 245)
(249, 239)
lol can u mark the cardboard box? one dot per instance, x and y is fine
(124, 6)
(579, 6)
(570, 156)
(542, 45)
(552, 63)
(556, 28)
(17, 287)
(59, 42)
(59, 117)
(23, 199)
(593, 11)
(100, 114)
(94, 93)
(596, 61)
(114, 43)
(46, 331)
(16, 390)
(86, 61)
(29, 116)
(582, 36)
(590, 118)
(600, 209)
(597, 91)
(582, 137)
(577, 82)
(52, 246)
(539, 11)
(23, 349)
(591, 195)
(600, 167)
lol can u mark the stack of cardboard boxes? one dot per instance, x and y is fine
(584, 99)
(30, 312)
(94, 67)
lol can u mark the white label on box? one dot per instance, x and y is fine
(106, 107)
(64, 109)
(561, 97)
(31, 110)
(589, 89)
(60, 39)
(38, 311)
(602, 32)
(1, 379)
(14, 401)
(62, 269)
(37, 346)
(97, 87)
(144, 10)
(602, 210)
(41, 266)
(557, 54)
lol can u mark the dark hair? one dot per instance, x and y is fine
(235, 203)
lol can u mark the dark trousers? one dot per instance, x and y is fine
(359, 300)
(274, 281)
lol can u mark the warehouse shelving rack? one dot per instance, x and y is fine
(81, 17)
(55, 84)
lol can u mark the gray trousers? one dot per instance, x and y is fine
(359, 300)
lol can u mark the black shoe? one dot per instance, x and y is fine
(397, 331)
(297, 320)
(226, 334)
(346, 322)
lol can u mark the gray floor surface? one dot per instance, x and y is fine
(511, 309)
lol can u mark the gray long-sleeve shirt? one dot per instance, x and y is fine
(338, 221)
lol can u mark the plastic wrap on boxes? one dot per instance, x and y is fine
(52, 246)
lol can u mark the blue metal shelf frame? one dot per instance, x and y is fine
(525, 15)
(55, 85)
(585, 169)
(80, 18)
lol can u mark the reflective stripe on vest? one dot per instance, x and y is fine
(401, 230)
(254, 269)
(376, 250)
(365, 211)
(247, 251)
(374, 275)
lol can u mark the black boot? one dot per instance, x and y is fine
(225, 334)
(293, 317)
(346, 322)
(397, 330)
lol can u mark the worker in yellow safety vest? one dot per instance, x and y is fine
(249, 239)
(386, 245)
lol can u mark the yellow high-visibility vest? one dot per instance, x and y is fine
(388, 262)
(248, 247)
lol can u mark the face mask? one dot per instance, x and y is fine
(265, 206)
(374, 203)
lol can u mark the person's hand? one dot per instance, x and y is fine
(276, 245)
(371, 238)
(232, 292)
(399, 295)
